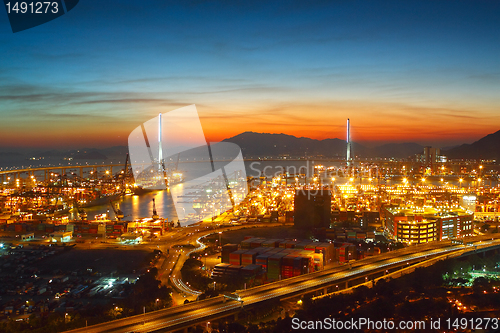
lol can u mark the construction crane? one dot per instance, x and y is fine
(118, 213)
(155, 214)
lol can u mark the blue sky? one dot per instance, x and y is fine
(426, 71)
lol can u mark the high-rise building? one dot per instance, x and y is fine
(431, 156)
(312, 209)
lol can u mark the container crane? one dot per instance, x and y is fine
(80, 212)
(125, 174)
(118, 213)
(155, 214)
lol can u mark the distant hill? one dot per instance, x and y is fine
(273, 145)
(485, 148)
(399, 150)
(9, 154)
(265, 144)
(89, 155)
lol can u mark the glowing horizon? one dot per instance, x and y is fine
(402, 72)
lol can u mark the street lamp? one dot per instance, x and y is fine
(460, 181)
(220, 244)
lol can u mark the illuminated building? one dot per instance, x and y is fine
(61, 236)
(131, 238)
(422, 225)
(468, 202)
(312, 209)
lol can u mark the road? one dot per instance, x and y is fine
(196, 312)
(169, 268)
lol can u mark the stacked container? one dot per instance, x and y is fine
(235, 257)
(245, 244)
(49, 228)
(317, 262)
(288, 266)
(262, 259)
(274, 263)
(327, 249)
(226, 250)
(297, 265)
(256, 242)
(248, 257)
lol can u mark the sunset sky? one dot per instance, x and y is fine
(425, 72)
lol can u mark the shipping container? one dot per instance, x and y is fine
(248, 258)
(235, 257)
(256, 242)
(245, 244)
(274, 266)
(262, 259)
(226, 250)
(310, 246)
(283, 244)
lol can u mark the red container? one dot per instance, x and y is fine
(234, 258)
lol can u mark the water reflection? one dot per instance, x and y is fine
(139, 206)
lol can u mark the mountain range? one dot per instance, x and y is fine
(255, 144)
(264, 144)
(487, 148)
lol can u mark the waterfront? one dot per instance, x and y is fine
(317, 172)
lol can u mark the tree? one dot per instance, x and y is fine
(146, 291)
(235, 327)
(479, 284)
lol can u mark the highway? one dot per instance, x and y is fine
(169, 269)
(196, 312)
